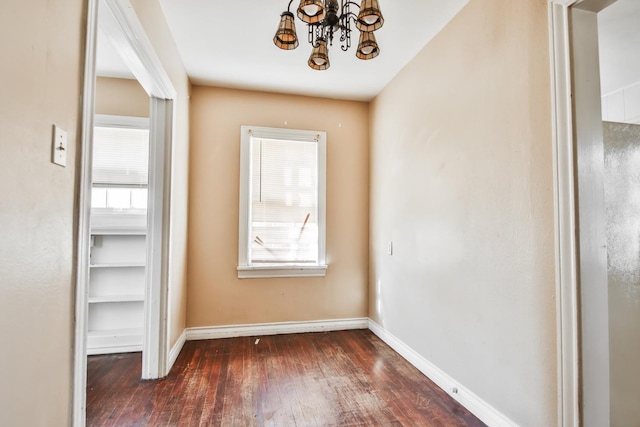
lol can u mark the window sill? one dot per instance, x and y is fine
(265, 271)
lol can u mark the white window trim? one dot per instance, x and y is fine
(247, 270)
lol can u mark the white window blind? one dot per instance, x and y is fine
(284, 201)
(120, 156)
(282, 215)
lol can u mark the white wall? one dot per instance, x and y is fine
(462, 183)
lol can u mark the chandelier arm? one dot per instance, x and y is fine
(351, 15)
(347, 14)
(346, 4)
(346, 40)
(345, 30)
(316, 31)
(289, 7)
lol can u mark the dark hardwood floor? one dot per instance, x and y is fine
(347, 378)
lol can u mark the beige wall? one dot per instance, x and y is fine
(622, 200)
(40, 84)
(150, 14)
(461, 182)
(216, 295)
(121, 97)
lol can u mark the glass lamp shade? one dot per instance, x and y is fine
(367, 46)
(286, 37)
(319, 59)
(370, 18)
(311, 11)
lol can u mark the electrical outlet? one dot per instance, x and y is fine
(59, 154)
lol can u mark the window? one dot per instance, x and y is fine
(282, 203)
(120, 163)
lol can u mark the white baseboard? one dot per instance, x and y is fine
(258, 329)
(175, 350)
(477, 406)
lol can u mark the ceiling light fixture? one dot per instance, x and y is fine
(326, 18)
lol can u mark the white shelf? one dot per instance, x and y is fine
(118, 265)
(116, 298)
(116, 283)
(110, 231)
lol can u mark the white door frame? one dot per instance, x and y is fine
(155, 353)
(123, 27)
(573, 253)
(565, 215)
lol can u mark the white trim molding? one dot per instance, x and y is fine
(261, 272)
(565, 214)
(176, 349)
(155, 346)
(84, 221)
(124, 30)
(278, 328)
(477, 406)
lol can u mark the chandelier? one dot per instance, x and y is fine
(326, 19)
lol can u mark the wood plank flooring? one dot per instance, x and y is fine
(346, 378)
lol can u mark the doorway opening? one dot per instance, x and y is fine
(585, 206)
(118, 22)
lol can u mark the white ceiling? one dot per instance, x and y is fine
(230, 44)
(217, 49)
(619, 39)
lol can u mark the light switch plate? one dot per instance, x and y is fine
(59, 154)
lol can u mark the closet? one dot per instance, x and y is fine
(117, 270)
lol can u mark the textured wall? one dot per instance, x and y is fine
(462, 183)
(622, 199)
(40, 84)
(216, 295)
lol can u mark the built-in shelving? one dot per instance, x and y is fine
(116, 283)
